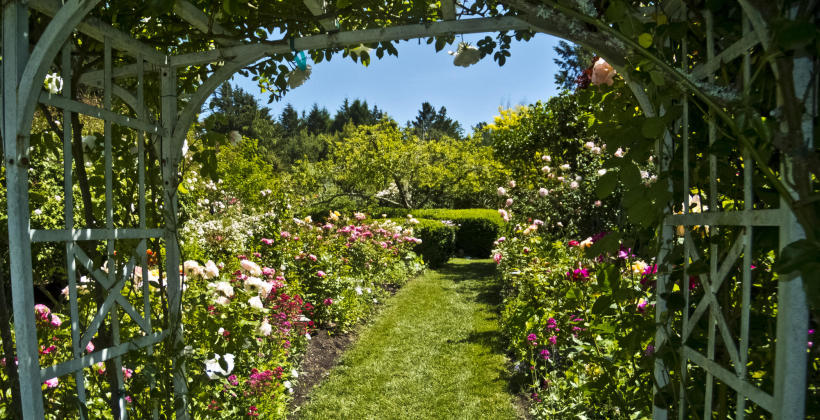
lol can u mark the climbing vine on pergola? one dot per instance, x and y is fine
(714, 83)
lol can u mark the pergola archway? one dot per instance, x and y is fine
(129, 64)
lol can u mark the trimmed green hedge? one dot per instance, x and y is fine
(438, 241)
(477, 229)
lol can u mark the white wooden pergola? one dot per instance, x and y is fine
(27, 61)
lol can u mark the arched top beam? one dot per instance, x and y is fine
(353, 38)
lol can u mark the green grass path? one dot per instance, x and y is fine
(435, 351)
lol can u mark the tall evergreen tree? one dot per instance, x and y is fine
(235, 109)
(318, 120)
(572, 60)
(357, 113)
(289, 119)
(430, 124)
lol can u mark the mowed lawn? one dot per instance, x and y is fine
(435, 351)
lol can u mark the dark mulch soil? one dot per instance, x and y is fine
(321, 356)
(323, 353)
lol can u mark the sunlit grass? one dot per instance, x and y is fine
(434, 352)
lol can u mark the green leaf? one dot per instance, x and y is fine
(609, 277)
(645, 40)
(795, 255)
(657, 78)
(606, 185)
(653, 128)
(601, 305)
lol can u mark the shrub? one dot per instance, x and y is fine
(476, 229)
(438, 241)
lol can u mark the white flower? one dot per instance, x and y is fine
(235, 137)
(512, 184)
(222, 300)
(466, 55)
(545, 169)
(214, 369)
(589, 145)
(596, 150)
(255, 284)
(256, 303)
(546, 158)
(251, 267)
(289, 387)
(573, 184)
(265, 328)
(191, 268)
(294, 373)
(619, 153)
(543, 192)
(307, 336)
(565, 166)
(225, 288)
(501, 191)
(89, 142)
(53, 83)
(210, 271)
(369, 290)
(220, 331)
(601, 172)
(38, 212)
(358, 290)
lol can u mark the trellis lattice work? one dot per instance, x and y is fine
(158, 127)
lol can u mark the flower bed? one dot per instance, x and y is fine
(579, 327)
(246, 319)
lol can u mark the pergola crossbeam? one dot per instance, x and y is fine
(448, 9)
(353, 38)
(99, 30)
(319, 8)
(199, 20)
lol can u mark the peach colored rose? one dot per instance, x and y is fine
(602, 73)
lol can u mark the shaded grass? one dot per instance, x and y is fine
(434, 352)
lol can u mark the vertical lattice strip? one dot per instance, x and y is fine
(15, 56)
(713, 249)
(109, 224)
(68, 201)
(748, 206)
(792, 310)
(170, 159)
(684, 130)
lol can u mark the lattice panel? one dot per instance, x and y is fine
(715, 326)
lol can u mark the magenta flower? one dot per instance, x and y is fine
(267, 241)
(642, 306)
(320, 273)
(650, 350)
(497, 258)
(572, 243)
(328, 302)
(531, 338)
(52, 383)
(42, 311)
(545, 354)
(553, 339)
(233, 380)
(55, 321)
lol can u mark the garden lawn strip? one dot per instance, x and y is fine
(434, 352)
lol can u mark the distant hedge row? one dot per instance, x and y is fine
(476, 229)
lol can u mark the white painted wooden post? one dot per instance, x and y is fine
(15, 58)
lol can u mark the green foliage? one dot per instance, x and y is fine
(476, 229)
(386, 165)
(572, 60)
(430, 124)
(579, 327)
(438, 241)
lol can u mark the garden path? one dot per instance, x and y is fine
(435, 351)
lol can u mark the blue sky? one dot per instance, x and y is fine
(400, 84)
